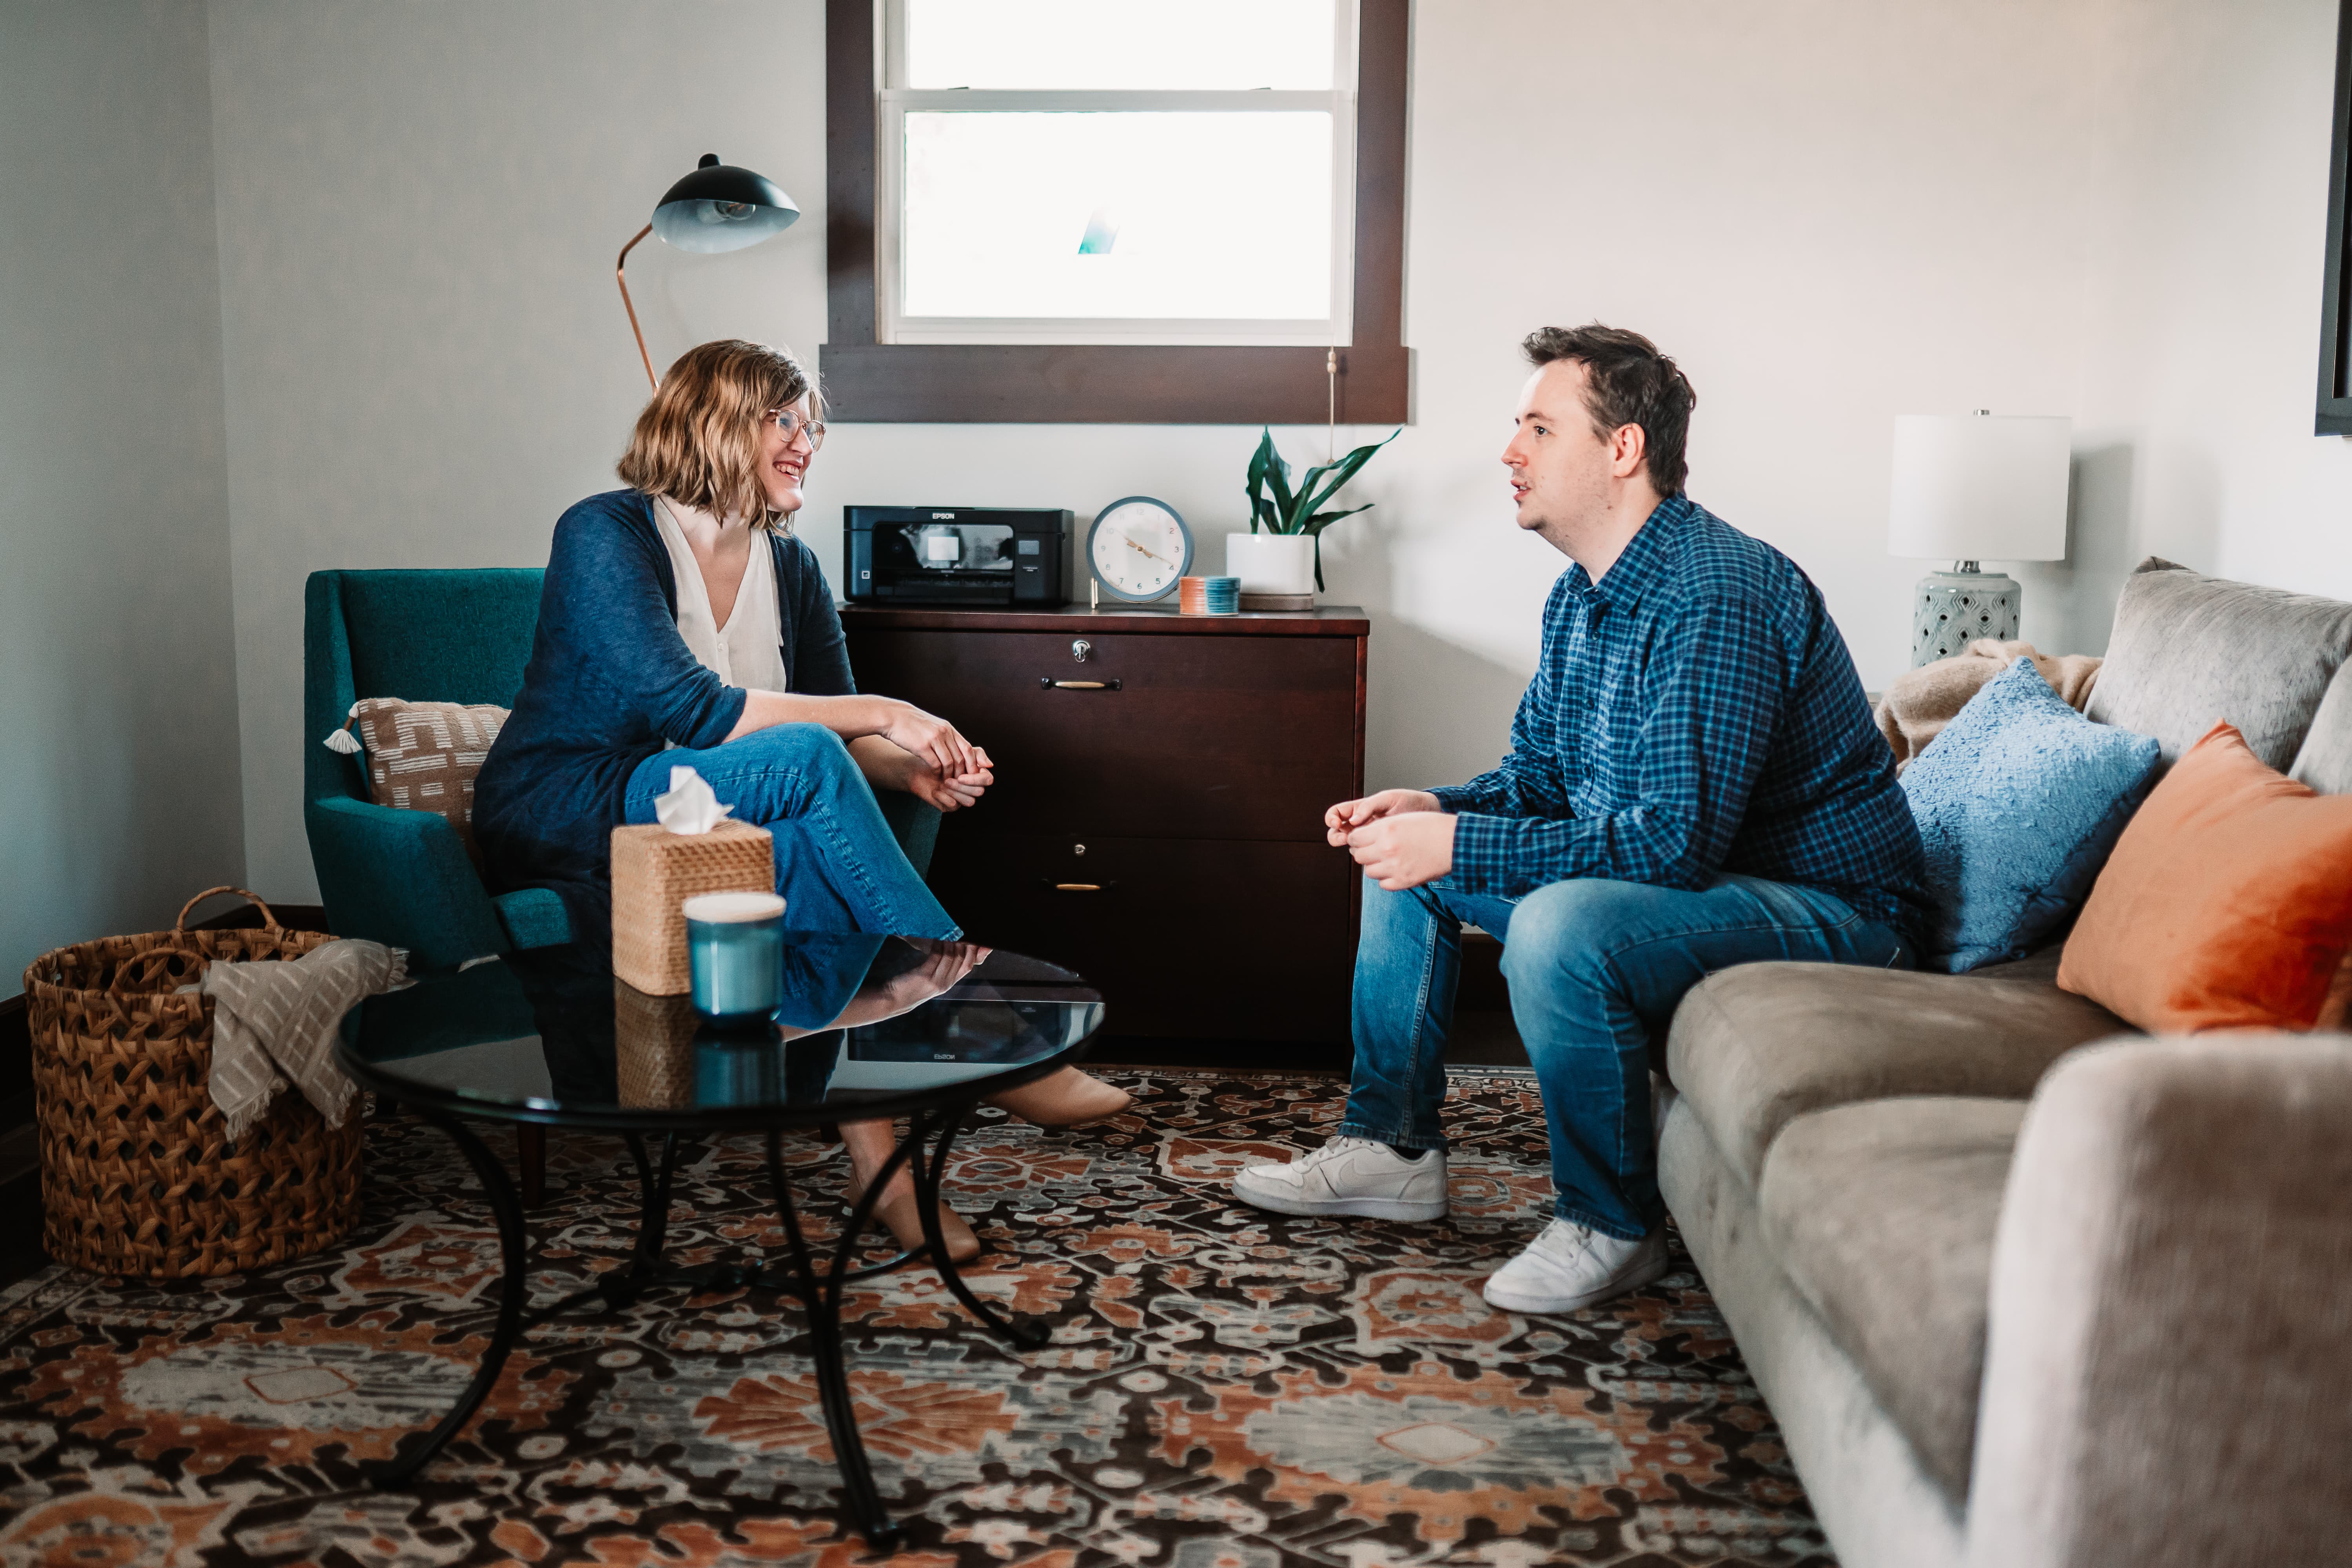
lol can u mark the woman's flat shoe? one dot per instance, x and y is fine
(1066, 1099)
(906, 1222)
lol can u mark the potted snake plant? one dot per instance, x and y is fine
(1282, 554)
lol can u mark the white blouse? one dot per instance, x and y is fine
(748, 651)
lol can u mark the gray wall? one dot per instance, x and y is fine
(2209, 201)
(425, 358)
(119, 743)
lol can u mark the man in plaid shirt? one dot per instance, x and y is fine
(1694, 781)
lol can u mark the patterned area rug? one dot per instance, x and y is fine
(1224, 1389)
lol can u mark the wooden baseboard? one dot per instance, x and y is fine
(245, 917)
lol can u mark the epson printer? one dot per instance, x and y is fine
(970, 555)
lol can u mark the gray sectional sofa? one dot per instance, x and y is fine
(2023, 1287)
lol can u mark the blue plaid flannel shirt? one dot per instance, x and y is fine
(1695, 712)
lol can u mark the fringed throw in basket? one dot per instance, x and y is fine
(138, 1176)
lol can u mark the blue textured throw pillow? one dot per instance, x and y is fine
(2019, 802)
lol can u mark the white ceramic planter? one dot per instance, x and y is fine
(1271, 562)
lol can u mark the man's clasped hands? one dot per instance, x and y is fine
(1401, 838)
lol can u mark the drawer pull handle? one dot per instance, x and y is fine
(1082, 887)
(1047, 683)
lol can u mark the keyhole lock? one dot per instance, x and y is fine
(1080, 648)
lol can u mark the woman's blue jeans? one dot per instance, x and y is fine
(1594, 968)
(837, 864)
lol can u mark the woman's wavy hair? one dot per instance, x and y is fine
(698, 441)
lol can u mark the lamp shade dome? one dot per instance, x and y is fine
(1979, 487)
(720, 208)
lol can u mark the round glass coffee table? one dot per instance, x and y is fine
(870, 1028)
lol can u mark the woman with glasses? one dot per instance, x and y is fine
(683, 622)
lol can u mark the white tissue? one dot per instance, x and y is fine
(689, 807)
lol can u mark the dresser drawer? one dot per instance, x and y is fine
(1202, 939)
(1177, 737)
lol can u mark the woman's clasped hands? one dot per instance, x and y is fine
(942, 768)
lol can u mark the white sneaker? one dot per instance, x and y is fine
(1571, 1266)
(1349, 1176)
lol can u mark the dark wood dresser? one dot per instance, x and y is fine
(1157, 822)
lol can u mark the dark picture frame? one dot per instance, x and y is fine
(1074, 383)
(2335, 412)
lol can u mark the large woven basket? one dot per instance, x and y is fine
(138, 1176)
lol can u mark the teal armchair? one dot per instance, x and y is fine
(402, 877)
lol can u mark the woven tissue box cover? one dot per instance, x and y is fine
(654, 871)
(653, 1038)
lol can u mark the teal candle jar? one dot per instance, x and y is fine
(736, 1069)
(735, 949)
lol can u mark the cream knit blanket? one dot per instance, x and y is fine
(1915, 708)
(276, 1022)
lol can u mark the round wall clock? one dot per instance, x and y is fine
(1138, 548)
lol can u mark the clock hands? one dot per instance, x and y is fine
(1153, 553)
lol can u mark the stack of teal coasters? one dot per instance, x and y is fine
(1221, 596)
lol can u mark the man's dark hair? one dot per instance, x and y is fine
(1627, 382)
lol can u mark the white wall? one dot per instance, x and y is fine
(118, 706)
(1833, 211)
(2202, 345)
(1829, 211)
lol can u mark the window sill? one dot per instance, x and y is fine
(1070, 383)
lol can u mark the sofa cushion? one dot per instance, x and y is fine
(2188, 649)
(2325, 763)
(1883, 1216)
(1755, 1047)
(2018, 803)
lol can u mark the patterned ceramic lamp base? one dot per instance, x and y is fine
(1955, 608)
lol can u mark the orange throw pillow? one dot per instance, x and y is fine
(2227, 903)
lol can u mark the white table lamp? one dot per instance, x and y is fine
(1971, 488)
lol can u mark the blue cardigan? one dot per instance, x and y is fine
(609, 681)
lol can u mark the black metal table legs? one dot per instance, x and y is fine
(923, 1153)
(820, 1294)
(945, 1123)
(512, 1287)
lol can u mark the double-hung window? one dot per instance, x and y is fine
(1092, 172)
(1115, 209)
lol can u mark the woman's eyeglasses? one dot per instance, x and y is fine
(790, 424)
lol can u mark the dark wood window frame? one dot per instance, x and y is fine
(2334, 412)
(1074, 383)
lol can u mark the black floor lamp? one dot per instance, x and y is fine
(715, 208)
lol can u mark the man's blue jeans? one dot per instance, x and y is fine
(838, 864)
(1594, 967)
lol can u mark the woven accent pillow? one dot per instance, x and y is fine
(423, 757)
